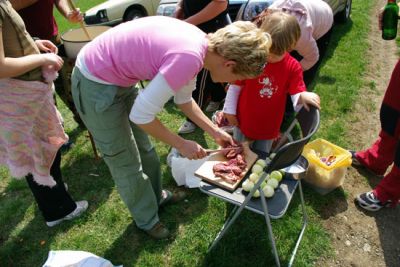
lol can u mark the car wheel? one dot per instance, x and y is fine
(133, 14)
(344, 15)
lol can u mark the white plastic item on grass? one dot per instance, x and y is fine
(72, 258)
(183, 170)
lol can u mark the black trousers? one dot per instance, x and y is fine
(206, 88)
(54, 202)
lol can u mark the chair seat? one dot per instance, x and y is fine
(277, 205)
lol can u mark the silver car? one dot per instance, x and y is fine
(341, 9)
(113, 12)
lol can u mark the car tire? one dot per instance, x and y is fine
(344, 15)
(133, 13)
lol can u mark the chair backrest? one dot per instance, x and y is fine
(290, 152)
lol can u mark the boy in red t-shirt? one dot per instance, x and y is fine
(256, 106)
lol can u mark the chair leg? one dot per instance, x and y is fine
(232, 217)
(224, 228)
(270, 233)
(305, 222)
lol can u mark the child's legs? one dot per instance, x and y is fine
(380, 155)
(389, 187)
(262, 145)
(238, 135)
(54, 202)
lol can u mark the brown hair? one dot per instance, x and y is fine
(284, 30)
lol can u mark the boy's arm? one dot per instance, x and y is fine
(231, 100)
(230, 106)
(309, 98)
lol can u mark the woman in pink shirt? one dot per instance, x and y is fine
(170, 53)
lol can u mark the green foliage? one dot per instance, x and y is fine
(108, 230)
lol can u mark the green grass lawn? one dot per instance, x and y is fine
(107, 229)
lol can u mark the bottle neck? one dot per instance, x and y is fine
(391, 1)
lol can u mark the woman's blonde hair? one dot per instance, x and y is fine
(243, 43)
(284, 30)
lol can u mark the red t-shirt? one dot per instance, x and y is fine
(39, 19)
(262, 100)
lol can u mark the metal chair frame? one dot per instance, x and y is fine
(285, 156)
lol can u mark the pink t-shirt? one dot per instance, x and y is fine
(139, 49)
(315, 18)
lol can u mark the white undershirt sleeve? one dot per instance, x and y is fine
(231, 100)
(152, 99)
(295, 100)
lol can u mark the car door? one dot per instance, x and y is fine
(334, 4)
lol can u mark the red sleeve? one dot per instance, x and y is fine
(296, 82)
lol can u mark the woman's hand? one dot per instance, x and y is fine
(46, 46)
(191, 150)
(75, 16)
(223, 138)
(52, 60)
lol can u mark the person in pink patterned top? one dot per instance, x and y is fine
(31, 131)
(170, 53)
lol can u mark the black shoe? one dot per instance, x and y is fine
(354, 161)
(67, 146)
(370, 202)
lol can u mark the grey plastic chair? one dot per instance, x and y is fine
(276, 206)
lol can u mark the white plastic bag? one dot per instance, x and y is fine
(183, 170)
(71, 258)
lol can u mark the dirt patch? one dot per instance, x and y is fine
(365, 238)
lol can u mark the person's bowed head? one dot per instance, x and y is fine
(237, 52)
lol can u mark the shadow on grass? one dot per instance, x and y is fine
(24, 245)
(327, 205)
(339, 30)
(133, 242)
(247, 241)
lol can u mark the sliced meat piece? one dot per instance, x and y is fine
(228, 177)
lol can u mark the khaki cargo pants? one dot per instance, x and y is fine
(126, 149)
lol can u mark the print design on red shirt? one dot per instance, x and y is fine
(267, 89)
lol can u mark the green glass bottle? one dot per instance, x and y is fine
(389, 20)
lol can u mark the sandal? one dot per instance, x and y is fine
(167, 197)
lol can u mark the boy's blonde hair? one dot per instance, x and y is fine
(243, 43)
(284, 30)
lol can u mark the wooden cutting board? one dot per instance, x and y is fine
(205, 171)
